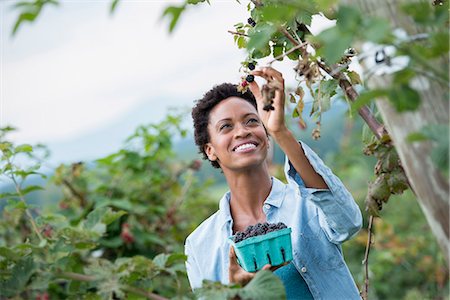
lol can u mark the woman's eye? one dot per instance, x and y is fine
(252, 120)
(224, 126)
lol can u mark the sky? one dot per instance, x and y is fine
(79, 72)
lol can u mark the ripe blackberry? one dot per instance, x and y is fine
(251, 66)
(257, 229)
(250, 78)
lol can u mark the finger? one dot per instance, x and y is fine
(254, 88)
(261, 73)
(232, 254)
(267, 267)
(269, 71)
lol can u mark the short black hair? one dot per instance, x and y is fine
(203, 107)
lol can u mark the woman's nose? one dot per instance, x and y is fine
(242, 131)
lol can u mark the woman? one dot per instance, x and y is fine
(232, 131)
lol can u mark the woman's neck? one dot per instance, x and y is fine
(249, 189)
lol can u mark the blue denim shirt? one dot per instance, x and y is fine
(320, 221)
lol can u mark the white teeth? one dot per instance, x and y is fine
(245, 147)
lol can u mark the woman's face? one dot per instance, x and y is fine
(238, 139)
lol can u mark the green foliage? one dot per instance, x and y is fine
(405, 259)
(350, 26)
(121, 216)
(114, 4)
(173, 13)
(265, 285)
(439, 135)
(29, 11)
(118, 230)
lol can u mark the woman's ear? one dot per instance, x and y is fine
(209, 150)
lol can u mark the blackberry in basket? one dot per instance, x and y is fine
(261, 244)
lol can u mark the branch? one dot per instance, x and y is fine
(348, 89)
(75, 192)
(238, 33)
(293, 41)
(288, 52)
(27, 211)
(168, 220)
(365, 292)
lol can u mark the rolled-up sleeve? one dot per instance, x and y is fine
(192, 269)
(339, 215)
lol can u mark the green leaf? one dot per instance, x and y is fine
(31, 188)
(404, 98)
(334, 43)
(94, 217)
(261, 53)
(173, 13)
(9, 254)
(364, 98)
(278, 50)
(16, 204)
(292, 98)
(216, 290)
(325, 4)
(277, 13)
(20, 274)
(160, 260)
(97, 220)
(328, 87)
(304, 16)
(376, 30)
(8, 195)
(25, 16)
(113, 6)
(404, 76)
(23, 148)
(439, 133)
(194, 2)
(293, 55)
(416, 137)
(176, 257)
(5, 146)
(260, 37)
(354, 77)
(241, 42)
(265, 285)
(439, 44)
(110, 216)
(420, 11)
(326, 90)
(348, 19)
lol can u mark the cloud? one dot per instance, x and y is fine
(77, 69)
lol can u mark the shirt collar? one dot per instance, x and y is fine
(275, 198)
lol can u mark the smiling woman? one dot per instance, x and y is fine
(232, 131)
(232, 118)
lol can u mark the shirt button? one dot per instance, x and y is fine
(303, 270)
(266, 206)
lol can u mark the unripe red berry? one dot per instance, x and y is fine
(43, 296)
(47, 231)
(126, 235)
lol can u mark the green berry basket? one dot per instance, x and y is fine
(274, 248)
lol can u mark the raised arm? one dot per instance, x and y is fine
(275, 124)
(339, 216)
